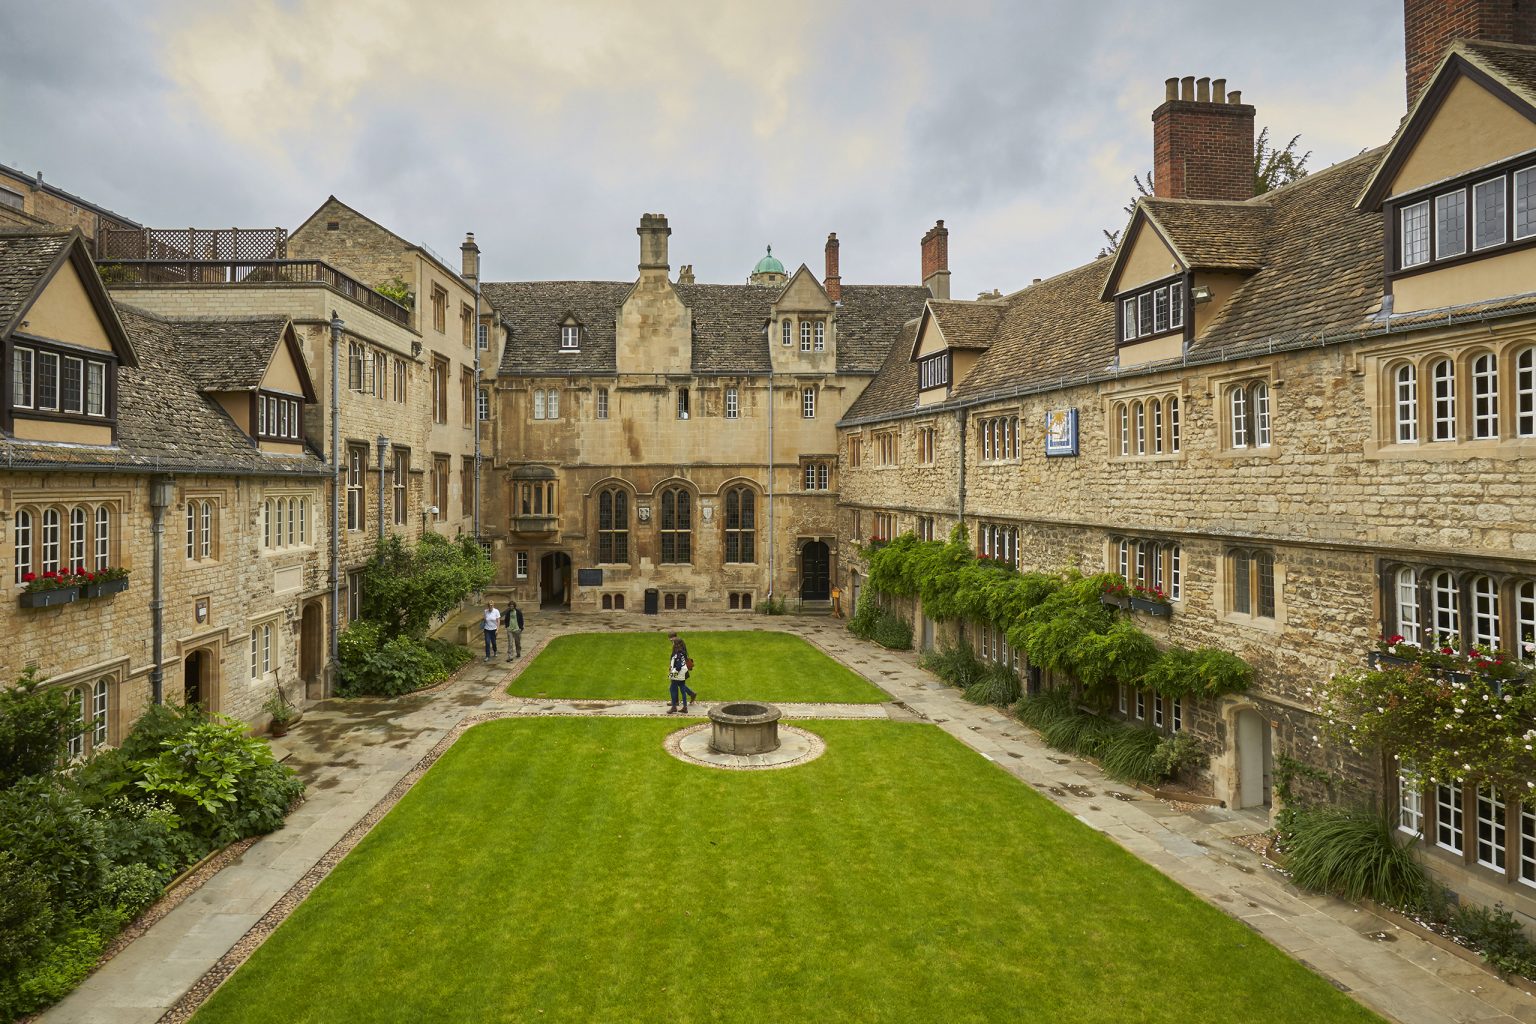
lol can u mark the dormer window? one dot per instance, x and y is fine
(821, 336)
(1152, 311)
(44, 379)
(277, 418)
(1461, 219)
(933, 371)
(570, 337)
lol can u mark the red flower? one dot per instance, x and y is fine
(50, 575)
(29, 577)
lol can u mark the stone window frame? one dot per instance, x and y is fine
(442, 471)
(745, 496)
(600, 403)
(27, 532)
(1260, 390)
(1420, 805)
(520, 565)
(1418, 425)
(439, 308)
(201, 527)
(675, 504)
(808, 402)
(617, 536)
(1139, 309)
(357, 486)
(888, 448)
(732, 403)
(997, 438)
(1513, 611)
(1148, 561)
(1229, 577)
(98, 692)
(855, 450)
(926, 439)
(1168, 402)
(23, 391)
(815, 473)
(400, 471)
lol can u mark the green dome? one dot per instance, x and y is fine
(768, 265)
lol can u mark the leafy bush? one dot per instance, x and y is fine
(1177, 753)
(51, 976)
(35, 724)
(1120, 654)
(403, 664)
(771, 606)
(998, 686)
(26, 912)
(1353, 853)
(406, 589)
(1204, 672)
(871, 622)
(1497, 935)
(46, 825)
(1131, 755)
(957, 665)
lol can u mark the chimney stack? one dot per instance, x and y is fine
(1202, 141)
(1430, 26)
(685, 274)
(936, 260)
(470, 258)
(832, 280)
(653, 232)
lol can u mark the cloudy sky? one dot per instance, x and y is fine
(548, 128)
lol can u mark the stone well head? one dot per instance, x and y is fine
(744, 727)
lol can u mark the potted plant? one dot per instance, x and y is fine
(283, 714)
(1116, 595)
(1150, 601)
(49, 589)
(108, 581)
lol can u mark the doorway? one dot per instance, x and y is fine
(815, 572)
(197, 681)
(1255, 779)
(555, 580)
(311, 644)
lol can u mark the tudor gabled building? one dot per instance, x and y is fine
(1309, 417)
(663, 435)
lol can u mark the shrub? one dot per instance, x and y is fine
(26, 913)
(1177, 753)
(401, 665)
(957, 665)
(1131, 755)
(998, 686)
(35, 724)
(771, 606)
(1497, 935)
(406, 589)
(44, 824)
(52, 975)
(1120, 654)
(1204, 672)
(1050, 706)
(871, 622)
(1353, 853)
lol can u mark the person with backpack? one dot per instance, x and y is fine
(514, 621)
(679, 668)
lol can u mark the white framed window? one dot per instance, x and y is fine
(1410, 806)
(1528, 844)
(1125, 428)
(1178, 714)
(570, 338)
(1413, 234)
(1491, 839)
(1450, 833)
(482, 403)
(77, 714)
(821, 336)
(1157, 710)
(1141, 705)
(1488, 213)
(1175, 573)
(1261, 415)
(787, 331)
(1485, 396)
(1238, 401)
(23, 361)
(1160, 311)
(602, 403)
(23, 538)
(1176, 304)
(1157, 426)
(1451, 224)
(552, 404)
(100, 702)
(1443, 377)
(77, 539)
(805, 335)
(1485, 613)
(732, 404)
(205, 530)
(808, 403)
(1525, 621)
(682, 403)
(538, 404)
(1173, 424)
(1406, 586)
(522, 565)
(1140, 411)
(51, 540)
(1123, 565)
(1525, 393)
(1445, 598)
(95, 388)
(1406, 402)
(103, 537)
(1125, 699)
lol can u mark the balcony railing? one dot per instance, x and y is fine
(253, 273)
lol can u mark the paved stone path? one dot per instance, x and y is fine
(352, 752)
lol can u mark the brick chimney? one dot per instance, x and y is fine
(832, 280)
(685, 274)
(936, 260)
(1430, 26)
(470, 261)
(1202, 142)
(653, 232)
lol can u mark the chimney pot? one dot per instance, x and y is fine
(469, 264)
(1235, 97)
(1187, 88)
(1171, 87)
(1201, 149)
(1218, 90)
(1203, 90)
(653, 232)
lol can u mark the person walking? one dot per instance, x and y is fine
(489, 627)
(679, 668)
(514, 620)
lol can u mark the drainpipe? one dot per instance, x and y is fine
(161, 490)
(772, 566)
(336, 325)
(476, 413)
(383, 445)
(960, 426)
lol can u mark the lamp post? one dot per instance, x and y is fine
(161, 491)
(383, 445)
(336, 325)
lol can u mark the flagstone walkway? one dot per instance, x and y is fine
(352, 753)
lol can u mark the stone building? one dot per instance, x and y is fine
(669, 436)
(175, 449)
(29, 202)
(1308, 416)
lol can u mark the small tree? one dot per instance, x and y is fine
(405, 589)
(36, 723)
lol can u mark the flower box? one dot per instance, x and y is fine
(1115, 601)
(104, 588)
(49, 598)
(1149, 607)
(1381, 659)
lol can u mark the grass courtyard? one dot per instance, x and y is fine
(568, 869)
(728, 665)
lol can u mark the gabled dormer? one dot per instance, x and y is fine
(61, 341)
(1456, 190)
(653, 332)
(1178, 263)
(572, 332)
(254, 369)
(802, 326)
(950, 338)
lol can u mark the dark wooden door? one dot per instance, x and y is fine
(815, 575)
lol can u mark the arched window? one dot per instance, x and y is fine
(538, 404)
(553, 399)
(821, 335)
(1238, 400)
(1406, 586)
(1157, 426)
(103, 537)
(1406, 402)
(788, 332)
(205, 530)
(1485, 613)
(1139, 412)
(99, 705)
(277, 530)
(1155, 557)
(266, 523)
(1485, 396)
(1443, 378)
(1445, 599)
(1175, 573)
(77, 715)
(1260, 400)
(805, 335)
(77, 520)
(23, 532)
(676, 526)
(303, 520)
(1525, 621)
(1173, 425)
(1253, 582)
(293, 521)
(1525, 393)
(740, 525)
(1123, 565)
(192, 529)
(613, 525)
(51, 540)
(1123, 414)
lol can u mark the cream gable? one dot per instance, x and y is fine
(803, 294)
(1472, 128)
(65, 313)
(930, 339)
(282, 374)
(1149, 259)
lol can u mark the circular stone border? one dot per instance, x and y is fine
(675, 745)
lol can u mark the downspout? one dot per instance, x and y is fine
(160, 491)
(960, 425)
(383, 445)
(476, 413)
(336, 325)
(772, 566)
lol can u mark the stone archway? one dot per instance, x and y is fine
(815, 571)
(555, 580)
(199, 680)
(312, 651)
(1248, 766)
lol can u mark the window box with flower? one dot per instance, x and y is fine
(1116, 594)
(1444, 658)
(49, 589)
(105, 583)
(1150, 601)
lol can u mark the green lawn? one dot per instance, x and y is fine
(733, 665)
(569, 870)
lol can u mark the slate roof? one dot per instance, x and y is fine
(25, 258)
(894, 388)
(230, 353)
(730, 325)
(967, 325)
(1213, 235)
(1513, 65)
(163, 422)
